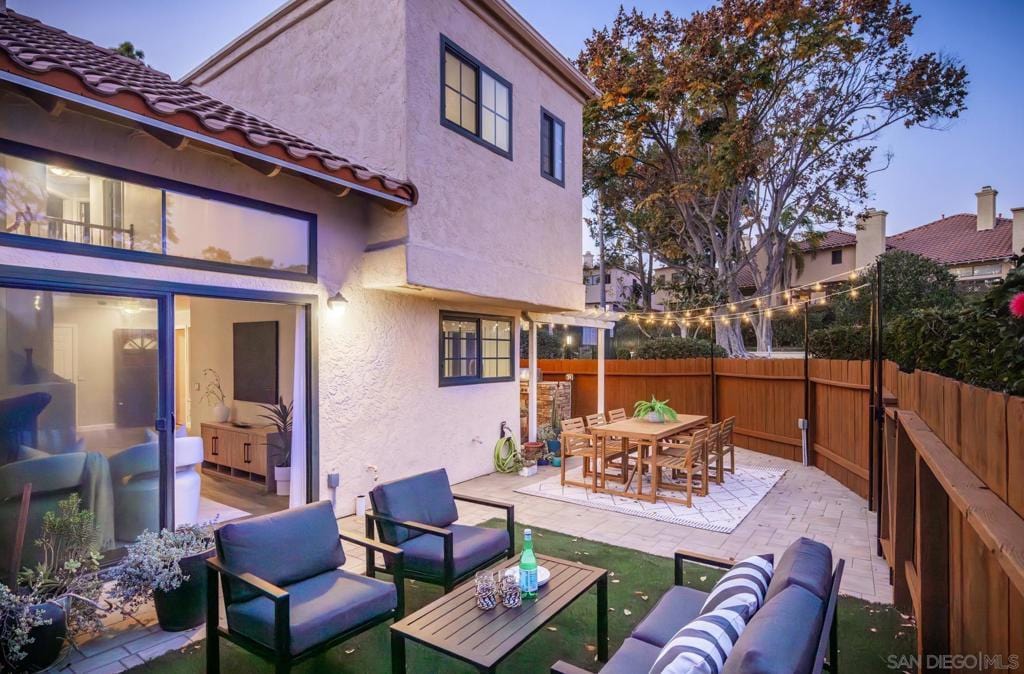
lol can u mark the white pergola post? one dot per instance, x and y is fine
(531, 404)
(600, 370)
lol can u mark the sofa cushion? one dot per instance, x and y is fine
(281, 548)
(472, 546)
(676, 608)
(704, 644)
(805, 563)
(792, 618)
(425, 498)
(632, 657)
(745, 584)
(320, 608)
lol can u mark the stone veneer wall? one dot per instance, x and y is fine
(549, 395)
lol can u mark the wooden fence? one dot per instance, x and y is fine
(765, 396)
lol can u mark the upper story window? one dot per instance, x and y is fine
(60, 203)
(475, 101)
(552, 147)
(837, 256)
(475, 349)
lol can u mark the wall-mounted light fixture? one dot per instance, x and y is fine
(337, 303)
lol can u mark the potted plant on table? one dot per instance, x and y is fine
(168, 567)
(656, 411)
(280, 416)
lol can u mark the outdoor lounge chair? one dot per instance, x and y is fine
(286, 598)
(799, 611)
(417, 514)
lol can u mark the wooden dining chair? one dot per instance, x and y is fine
(577, 442)
(617, 415)
(684, 457)
(597, 419)
(726, 442)
(713, 453)
(633, 447)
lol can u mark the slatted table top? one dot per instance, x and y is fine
(454, 625)
(641, 429)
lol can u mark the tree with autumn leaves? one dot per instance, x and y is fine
(751, 123)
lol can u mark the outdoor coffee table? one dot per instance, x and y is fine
(453, 624)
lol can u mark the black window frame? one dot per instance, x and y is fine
(555, 121)
(478, 378)
(449, 46)
(838, 260)
(52, 157)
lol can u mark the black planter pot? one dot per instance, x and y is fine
(185, 607)
(48, 640)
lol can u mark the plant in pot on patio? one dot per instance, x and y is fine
(656, 411)
(169, 568)
(280, 416)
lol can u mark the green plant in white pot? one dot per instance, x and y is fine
(654, 410)
(280, 416)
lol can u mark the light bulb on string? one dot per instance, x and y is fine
(768, 313)
(746, 318)
(725, 320)
(707, 312)
(732, 307)
(854, 293)
(757, 302)
(792, 308)
(821, 300)
(853, 275)
(817, 287)
(686, 315)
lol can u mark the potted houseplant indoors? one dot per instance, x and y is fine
(168, 567)
(280, 416)
(214, 395)
(654, 410)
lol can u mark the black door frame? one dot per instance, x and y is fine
(163, 292)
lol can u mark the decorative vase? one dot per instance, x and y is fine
(555, 447)
(48, 641)
(283, 477)
(556, 462)
(221, 412)
(655, 417)
(185, 606)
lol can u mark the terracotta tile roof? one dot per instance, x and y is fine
(956, 240)
(831, 239)
(49, 55)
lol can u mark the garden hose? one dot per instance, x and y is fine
(506, 455)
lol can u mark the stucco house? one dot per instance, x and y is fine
(175, 254)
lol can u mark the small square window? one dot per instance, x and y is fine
(487, 117)
(837, 256)
(475, 349)
(552, 147)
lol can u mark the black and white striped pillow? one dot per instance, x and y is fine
(745, 584)
(702, 646)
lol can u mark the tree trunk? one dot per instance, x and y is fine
(730, 338)
(763, 332)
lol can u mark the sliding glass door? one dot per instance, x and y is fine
(82, 381)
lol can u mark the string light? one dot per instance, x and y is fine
(853, 293)
(792, 308)
(817, 287)
(757, 302)
(732, 307)
(768, 313)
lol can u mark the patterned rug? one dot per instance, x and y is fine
(721, 510)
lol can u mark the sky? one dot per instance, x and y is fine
(931, 174)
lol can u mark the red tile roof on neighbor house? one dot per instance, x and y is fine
(42, 53)
(956, 240)
(831, 239)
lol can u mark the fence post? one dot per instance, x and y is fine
(932, 553)
(903, 518)
(808, 430)
(714, 378)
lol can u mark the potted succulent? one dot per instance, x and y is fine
(280, 416)
(555, 441)
(168, 567)
(546, 434)
(654, 410)
(214, 395)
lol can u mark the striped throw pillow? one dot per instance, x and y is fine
(702, 646)
(745, 584)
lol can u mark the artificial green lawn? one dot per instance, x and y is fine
(867, 632)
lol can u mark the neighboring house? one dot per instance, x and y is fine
(137, 212)
(621, 287)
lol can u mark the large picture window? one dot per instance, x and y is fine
(552, 147)
(56, 202)
(475, 349)
(475, 101)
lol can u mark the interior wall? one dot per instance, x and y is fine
(211, 346)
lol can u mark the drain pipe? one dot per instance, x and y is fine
(802, 425)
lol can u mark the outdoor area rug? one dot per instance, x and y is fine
(721, 510)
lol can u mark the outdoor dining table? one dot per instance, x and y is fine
(646, 434)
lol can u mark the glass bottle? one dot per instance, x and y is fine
(528, 568)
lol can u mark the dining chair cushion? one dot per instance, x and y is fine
(320, 608)
(676, 608)
(703, 645)
(425, 498)
(782, 637)
(806, 563)
(472, 546)
(282, 548)
(632, 657)
(746, 583)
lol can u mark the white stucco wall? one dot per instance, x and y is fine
(380, 403)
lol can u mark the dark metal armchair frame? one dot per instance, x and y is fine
(448, 578)
(280, 655)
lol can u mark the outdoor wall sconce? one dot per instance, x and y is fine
(337, 303)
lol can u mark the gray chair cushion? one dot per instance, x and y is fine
(472, 547)
(676, 608)
(281, 548)
(805, 563)
(425, 498)
(782, 637)
(320, 607)
(633, 657)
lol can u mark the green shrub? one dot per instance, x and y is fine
(677, 347)
(843, 342)
(622, 353)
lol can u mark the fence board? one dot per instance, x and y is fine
(1015, 454)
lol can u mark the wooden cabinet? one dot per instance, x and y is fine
(238, 452)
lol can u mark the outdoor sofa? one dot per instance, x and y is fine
(794, 631)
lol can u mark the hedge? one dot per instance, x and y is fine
(677, 347)
(842, 342)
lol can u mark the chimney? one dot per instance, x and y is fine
(986, 208)
(1017, 234)
(588, 260)
(870, 236)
